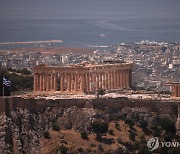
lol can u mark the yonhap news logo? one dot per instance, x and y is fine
(153, 144)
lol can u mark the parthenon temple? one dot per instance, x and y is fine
(82, 78)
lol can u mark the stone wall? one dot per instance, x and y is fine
(37, 105)
(2, 105)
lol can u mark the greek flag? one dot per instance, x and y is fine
(6, 82)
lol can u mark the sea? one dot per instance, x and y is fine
(94, 26)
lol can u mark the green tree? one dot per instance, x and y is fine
(46, 135)
(63, 149)
(101, 92)
(111, 132)
(84, 135)
(24, 71)
(129, 122)
(132, 135)
(99, 128)
(18, 82)
(142, 149)
(55, 127)
(168, 125)
(143, 124)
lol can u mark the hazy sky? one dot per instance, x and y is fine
(88, 9)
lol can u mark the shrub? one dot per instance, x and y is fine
(55, 127)
(168, 125)
(156, 132)
(101, 92)
(24, 71)
(117, 126)
(143, 149)
(89, 150)
(46, 135)
(115, 117)
(62, 149)
(93, 145)
(111, 132)
(99, 128)
(100, 147)
(119, 140)
(80, 150)
(18, 82)
(129, 122)
(132, 135)
(84, 136)
(143, 124)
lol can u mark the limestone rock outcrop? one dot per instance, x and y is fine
(21, 130)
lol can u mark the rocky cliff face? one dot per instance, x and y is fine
(21, 130)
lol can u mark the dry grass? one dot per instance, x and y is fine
(72, 140)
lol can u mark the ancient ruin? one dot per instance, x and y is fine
(83, 78)
(175, 89)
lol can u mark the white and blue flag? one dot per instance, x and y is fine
(6, 82)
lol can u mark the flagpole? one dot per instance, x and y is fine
(3, 90)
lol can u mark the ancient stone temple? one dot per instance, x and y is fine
(175, 89)
(82, 78)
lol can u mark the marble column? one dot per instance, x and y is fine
(72, 81)
(41, 82)
(106, 80)
(127, 71)
(62, 82)
(84, 82)
(115, 80)
(38, 80)
(130, 78)
(51, 81)
(87, 82)
(109, 80)
(121, 79)
(126, 78)
(100, 80)
(82, 86)
(118, 76)
(97, 81)
(112, 79)
(118, 79)
(76, 83)
(94, 82)
(55, 82)
(172, 90)
(39, 76)
(47, 82)
(103, 80)
(66, 82)
(90, 82)
(69, 81)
